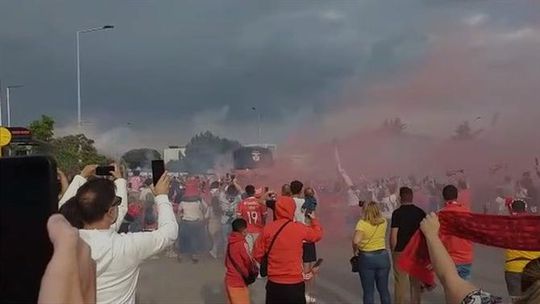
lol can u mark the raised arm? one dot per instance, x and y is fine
(346, 178)
(146, 244)
(237, 185)
(121, 191)
(455, 288)
(77, 182)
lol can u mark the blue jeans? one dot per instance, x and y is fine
(375, 269)
(464, 271)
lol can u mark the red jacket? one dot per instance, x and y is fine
(460, 250)
(238, 250)
(285, 259)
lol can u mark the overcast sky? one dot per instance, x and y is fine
(188, 65)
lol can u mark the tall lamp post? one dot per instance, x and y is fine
(8, 104)
(1, 102)
(105, 27)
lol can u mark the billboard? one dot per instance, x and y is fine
(252, 158)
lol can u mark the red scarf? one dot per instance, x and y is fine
(509, 232)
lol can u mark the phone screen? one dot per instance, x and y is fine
(158, 168)
(104, 170)
(28, 196)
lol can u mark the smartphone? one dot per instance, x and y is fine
(158, 168)
(318, 263)
(104, 170)
(28, 195)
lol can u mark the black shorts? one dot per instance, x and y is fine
(310, 253)
(285, 293)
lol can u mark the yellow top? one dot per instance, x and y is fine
(373, 237)
(516, 260)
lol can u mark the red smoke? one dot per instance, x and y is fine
(488, 78)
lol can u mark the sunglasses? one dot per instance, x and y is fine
(117, 201)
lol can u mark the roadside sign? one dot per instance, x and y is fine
(20, 135)
(5, 137)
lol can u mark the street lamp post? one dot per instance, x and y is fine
(8, 104)
(105, 27)
(0, 103)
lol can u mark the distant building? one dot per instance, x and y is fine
(271, 147)
(174, 153)
(252, 157)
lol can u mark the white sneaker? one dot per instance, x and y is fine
(310, 299)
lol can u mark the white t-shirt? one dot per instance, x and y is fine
(388, 205)
(228, 208)
(299, 215)
(193, 211)
(145, 193)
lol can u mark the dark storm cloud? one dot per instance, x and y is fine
(171, 60)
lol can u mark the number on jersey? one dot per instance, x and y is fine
(253, 217)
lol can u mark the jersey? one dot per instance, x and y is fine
(254, 213)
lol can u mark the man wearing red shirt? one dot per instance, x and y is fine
(254, 213)
(460, 250)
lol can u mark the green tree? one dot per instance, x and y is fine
(393, 126)
(43, 129)
(204, 149)
(73, 152)
(465, 132)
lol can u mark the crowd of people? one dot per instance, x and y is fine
(258, 233)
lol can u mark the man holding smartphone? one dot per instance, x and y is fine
(101, 204)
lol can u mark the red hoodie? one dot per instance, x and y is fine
(238, 250)
(285, 259)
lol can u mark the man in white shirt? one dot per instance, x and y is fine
(229, 200)
(193, 211)
(101, 205)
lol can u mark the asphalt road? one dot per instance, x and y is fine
(164, 280)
